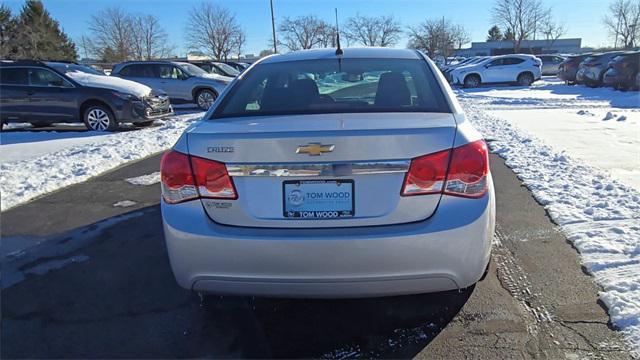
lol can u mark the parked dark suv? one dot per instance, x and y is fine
(569, 67)
(592, 69)
(42, 93)
(622, 70)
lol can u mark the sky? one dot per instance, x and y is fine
(582, 18)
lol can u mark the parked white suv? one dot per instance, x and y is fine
(516, 69)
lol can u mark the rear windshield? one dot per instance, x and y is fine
(330, 86)
(192, 69)
(228, 69)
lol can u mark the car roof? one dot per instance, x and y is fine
(521, 56)
(150, 62)
(636, 52)
(608, 53)
(348, 53)
(9, 63)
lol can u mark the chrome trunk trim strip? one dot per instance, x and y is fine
(320, 169)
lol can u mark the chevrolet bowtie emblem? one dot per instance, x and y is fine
(314, 149)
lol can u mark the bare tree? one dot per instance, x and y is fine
(623, 22)
(519, 17)
(373, 30)
(112, 31)
(303, 32)
(213, 29)
(241, 39)
(149, 40)
(551, 30)
(460, 36)
(85, 44)
(327, 36)
(435, 37)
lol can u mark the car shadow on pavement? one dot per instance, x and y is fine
(391, 327)
(120, 300)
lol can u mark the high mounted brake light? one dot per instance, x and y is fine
(184, 178)
(461, 171)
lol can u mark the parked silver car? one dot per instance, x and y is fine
(183, 82)
(318, 175)
(551, 64)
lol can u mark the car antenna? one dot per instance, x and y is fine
(339, 51)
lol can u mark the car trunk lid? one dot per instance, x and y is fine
(363, 156)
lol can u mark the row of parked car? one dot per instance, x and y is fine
(137, 92)
(617, 69)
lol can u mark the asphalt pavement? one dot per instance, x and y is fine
(83, 278)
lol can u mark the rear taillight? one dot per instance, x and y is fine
(468, 167)
(186, 178)
(468, 170)
(177, 178)
(426, 174)
(212, 179)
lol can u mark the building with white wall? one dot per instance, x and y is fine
(487, 48)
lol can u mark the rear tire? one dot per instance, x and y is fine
(471, 81)
(204, 99)
(99, 118)
(525, 79)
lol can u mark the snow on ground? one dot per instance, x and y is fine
(21, 145)
(552, 93)
(148, 179)
(598, 126)
(598, 213)
(35, 163)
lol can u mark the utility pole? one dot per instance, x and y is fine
(273, 29)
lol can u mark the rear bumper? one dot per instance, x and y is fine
(450, 250)
(589, 75)
(567, 74)
(613, 77)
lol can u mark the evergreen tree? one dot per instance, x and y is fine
(494, 34)
(509, 35)
(7, 26)
(38, 36)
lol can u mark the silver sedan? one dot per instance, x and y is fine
(319, 174)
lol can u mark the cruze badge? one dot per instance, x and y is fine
(314, 149)
(220, 149)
